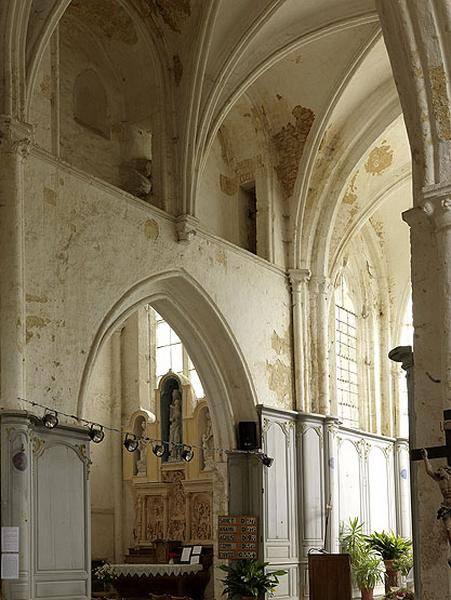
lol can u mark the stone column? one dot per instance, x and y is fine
(116, 421)
(320, 289)
(299, 279)
(430, 234)
(15, 141)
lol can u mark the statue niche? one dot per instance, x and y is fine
(171, 418)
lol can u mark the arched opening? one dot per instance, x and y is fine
(143, 368)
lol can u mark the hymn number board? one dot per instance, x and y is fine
(237, 537)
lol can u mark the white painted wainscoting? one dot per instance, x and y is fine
(325, 473)
(49, 501)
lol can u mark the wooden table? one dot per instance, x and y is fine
(139, 580)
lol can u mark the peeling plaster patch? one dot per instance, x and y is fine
(34, 298)
(245, 170)
(350, 196)
(173, 12)
(290, 142)
(50, 196)
(280, 344)
(151, 229)
(244, 173)
(440, 101)
(279, 381)
(378, 228)
(35, 322)
(221, 258)
(108, 16)
(178, 68)
(379, 159)
(229, 185)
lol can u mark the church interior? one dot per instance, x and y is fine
(225, 319)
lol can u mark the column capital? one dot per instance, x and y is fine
(297, 277)
(15, 136)
(186, 227)
(321, 284)
(437, 205)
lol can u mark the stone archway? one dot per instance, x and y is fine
(205, 334)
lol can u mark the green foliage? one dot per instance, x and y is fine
(366, 564)
(389, 545)
(367, 570)
(249, 578)
(404, 563)
(353, 540)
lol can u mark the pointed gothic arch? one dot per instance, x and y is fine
(205, 334)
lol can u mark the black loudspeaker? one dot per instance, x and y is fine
(247, 435)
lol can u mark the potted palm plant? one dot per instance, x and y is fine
(393, 549)
(249, 580)
(366, 564)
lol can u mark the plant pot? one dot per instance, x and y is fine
(391, 576)
(367, 594)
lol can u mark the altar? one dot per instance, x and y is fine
(140, 580)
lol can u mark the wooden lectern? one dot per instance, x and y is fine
(330, 577)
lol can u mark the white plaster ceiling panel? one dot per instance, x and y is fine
(373, 74)
(234, 20)
(383, 168)
(292, 22)
(393, 236)
(308, 76)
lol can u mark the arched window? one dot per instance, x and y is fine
(346, 357)
(170, 354)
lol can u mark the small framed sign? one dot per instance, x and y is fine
(237, 537)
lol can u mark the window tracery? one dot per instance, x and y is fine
(346, 325)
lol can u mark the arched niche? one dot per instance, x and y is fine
(172, 408)
(138, 425)
(207, 337)
(90, 102)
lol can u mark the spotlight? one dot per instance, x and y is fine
(96, 433)
(130, 442)
(267, 460)
(50, 419)
(158, 450)
(187, 453)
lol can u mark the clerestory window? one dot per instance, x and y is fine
(346, 357)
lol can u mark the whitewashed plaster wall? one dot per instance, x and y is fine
(102, 478)
(87, 244)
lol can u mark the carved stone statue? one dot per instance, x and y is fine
(201, 518)
(175, 424)
(443, 477)
(207, 444)
(155, 519)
